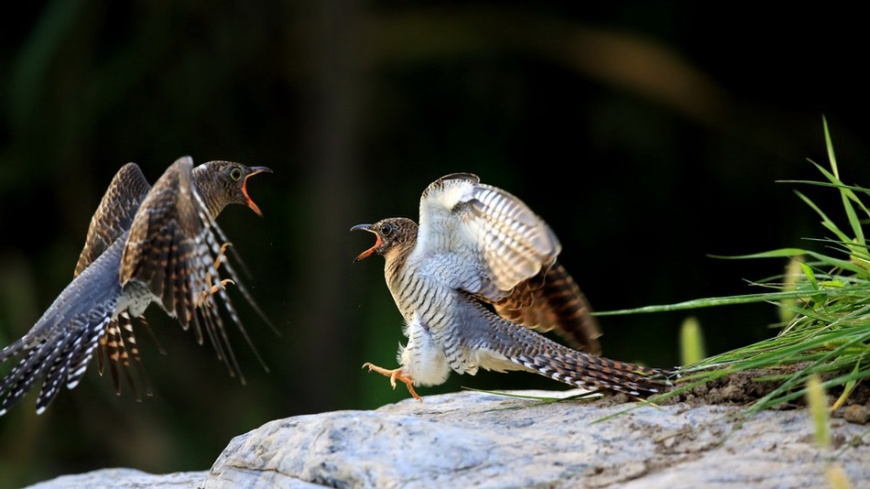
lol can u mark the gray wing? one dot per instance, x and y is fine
(491, 240)
(497, 249)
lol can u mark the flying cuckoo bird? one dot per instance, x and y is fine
(144, 245)
(477, 282)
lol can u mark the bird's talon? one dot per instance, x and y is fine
(395, 374)
(222, 285)
(217, 261)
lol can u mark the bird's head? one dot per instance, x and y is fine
(221, 183)
(391, 234)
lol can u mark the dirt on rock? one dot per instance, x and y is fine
(748, 386)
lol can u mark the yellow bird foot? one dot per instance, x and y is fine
(394, 375)
(222, 285)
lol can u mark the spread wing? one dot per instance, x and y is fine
(499, 250)
(115, 213)
(493, 239)
(166, 249)
(173, 251)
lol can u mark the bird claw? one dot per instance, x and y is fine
(394, 374)
(222, 285)
(217, 261)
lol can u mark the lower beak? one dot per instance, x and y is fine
(254, 171)
(368, 252)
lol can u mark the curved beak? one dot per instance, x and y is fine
(253, 171)
(367, 253)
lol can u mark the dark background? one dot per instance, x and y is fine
(650, 135)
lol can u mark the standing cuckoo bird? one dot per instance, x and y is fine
(477, 281)
(145, 245)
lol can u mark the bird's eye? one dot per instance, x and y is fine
(387, 229)
(236, 174)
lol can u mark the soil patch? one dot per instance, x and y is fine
(748, 386)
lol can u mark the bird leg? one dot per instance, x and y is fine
(217, 263)
(395, 374)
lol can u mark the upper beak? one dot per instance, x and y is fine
(368, 252)
(253, 171)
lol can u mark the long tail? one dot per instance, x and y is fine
(58, 348)
(61, 358)
(546, 357)
(598, 373)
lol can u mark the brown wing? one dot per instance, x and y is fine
(552, 301)
(165, 249)
(115, 213)
(174, 252)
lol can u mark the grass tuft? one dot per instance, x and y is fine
(824, 298)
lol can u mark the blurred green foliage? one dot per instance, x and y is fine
(648, 134)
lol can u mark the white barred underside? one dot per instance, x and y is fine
(422, 359)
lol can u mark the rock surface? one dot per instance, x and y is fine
(472, 439)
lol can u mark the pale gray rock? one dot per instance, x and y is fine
(481, 440)
(124, 479)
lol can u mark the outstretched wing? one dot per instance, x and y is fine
(501, 251)
(498, 241)
(173, 251)
(114, 215)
